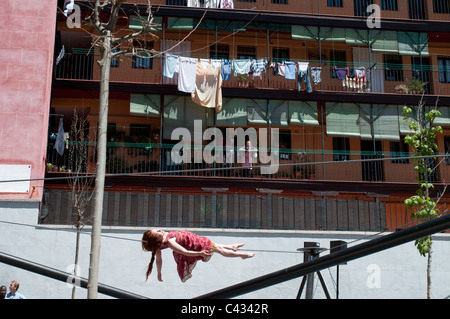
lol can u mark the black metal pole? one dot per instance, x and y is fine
(330, 260)
(64, 276)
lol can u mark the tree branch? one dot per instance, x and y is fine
(114, 14)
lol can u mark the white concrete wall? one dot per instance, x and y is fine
(398, 273)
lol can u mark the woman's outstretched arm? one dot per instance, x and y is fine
(159, 264)
(181, 250)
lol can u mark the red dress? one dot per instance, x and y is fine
(189, 241)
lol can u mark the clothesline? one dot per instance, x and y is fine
(192, 71)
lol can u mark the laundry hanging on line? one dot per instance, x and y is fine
(353, 78)
(186, 68)
(208, 86)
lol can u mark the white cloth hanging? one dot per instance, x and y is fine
(193, 3)
(186, 74)
(212, 3)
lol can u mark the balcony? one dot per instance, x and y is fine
(155, 159)
(385, 78)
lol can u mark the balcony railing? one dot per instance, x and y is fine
(392, 9)
(156, 159)
(379, 77)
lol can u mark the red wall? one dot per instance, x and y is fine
(27, 34)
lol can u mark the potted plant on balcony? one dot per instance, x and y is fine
(242, 80)
(416, 86)
(413, 86)
(304, 169)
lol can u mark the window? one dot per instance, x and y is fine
(246, 52)
(420, 68)
(219, 51)
(285, 145)
(280, 1)
(335, 3)
(337, 59)
(444, 70)
(341, 149)
(398, 150)
(441, 6)
(280, 54)
(393, 67)
(144, 60)
(389, 5)
(114, 61)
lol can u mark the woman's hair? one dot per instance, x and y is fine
(150, 243)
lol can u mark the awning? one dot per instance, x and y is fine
(181, 112)
(343, 119)
(137, 21)
(366, 121)
(413, 43)
(403, 43)
(233, 113)
(145, 104)
(180, 23)
(257, 112)
(303, 113)
(386, 42)
(379, 122)
(301, 32)
(444, 118)
(278, 112)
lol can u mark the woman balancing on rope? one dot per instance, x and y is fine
(187, 248)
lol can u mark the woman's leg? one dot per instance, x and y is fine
(231, 251)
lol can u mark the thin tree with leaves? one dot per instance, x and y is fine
(423, 142)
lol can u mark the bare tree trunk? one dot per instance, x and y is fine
(77, 252)
(429, 274)
(105, 68)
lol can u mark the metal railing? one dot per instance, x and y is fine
(382, 78)
(327, 165)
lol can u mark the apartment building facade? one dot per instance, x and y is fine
(341, 127)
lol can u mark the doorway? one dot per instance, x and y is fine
(421, 71)
(372, 166)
